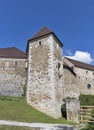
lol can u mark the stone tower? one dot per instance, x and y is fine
(45, 73)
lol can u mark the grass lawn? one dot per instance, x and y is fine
(17, 109)
(16, 128)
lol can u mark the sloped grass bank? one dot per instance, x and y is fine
(17, 109)
(17, 128)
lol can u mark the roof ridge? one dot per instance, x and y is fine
(78, 61)
(81, 64)
(42, 32)
(8, 47)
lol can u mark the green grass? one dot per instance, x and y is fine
(16, 128)
(17, 109)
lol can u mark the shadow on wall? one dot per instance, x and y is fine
(63, 109)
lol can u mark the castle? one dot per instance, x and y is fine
(49, 77)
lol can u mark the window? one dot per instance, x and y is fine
(16, 63)
(86, 72)
(71, 68)
(39, 42)
(58, 66)
(88, 86)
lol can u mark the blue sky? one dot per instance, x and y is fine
(71, 20)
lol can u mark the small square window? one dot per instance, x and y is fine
(88, 86)
(58, 65)
(39, 42)
(16, 63)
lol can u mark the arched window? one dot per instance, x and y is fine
(88, 86)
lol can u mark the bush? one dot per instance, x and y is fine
(9, 98)
(90, 126)
(86, 100)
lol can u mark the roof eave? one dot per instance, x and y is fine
(9, 57)
(84, 68)
(70, 69)
(46, 35)
(33, 39)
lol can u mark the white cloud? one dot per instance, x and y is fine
(82, 56)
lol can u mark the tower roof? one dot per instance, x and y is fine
(44, 32)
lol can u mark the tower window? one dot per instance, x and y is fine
(88, 86)
(16, 63)
(58, 65)
(39, 42)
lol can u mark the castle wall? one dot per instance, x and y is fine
(42, 86)
(58, 75)
(12, 76)
(85, 77)
(71, 86)
(78, 84)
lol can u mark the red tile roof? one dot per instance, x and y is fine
(12, 52)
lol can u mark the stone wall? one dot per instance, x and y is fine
(85, 78)
(71, 85)
(77, 83)
(58, 75)
(73, 110)
(12, 76)
(44, 87)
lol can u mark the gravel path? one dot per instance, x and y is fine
(41, 126)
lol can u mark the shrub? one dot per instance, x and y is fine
(86, 100)
(90, 126)
(9, 98)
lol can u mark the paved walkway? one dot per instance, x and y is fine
(42, 126)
